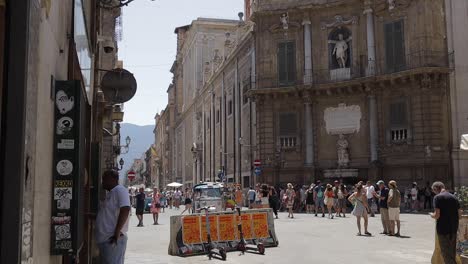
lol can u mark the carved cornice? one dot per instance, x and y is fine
(339, 21)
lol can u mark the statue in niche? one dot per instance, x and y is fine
(341, 50)
(342, 149)
(391, 5)
(217, 60)
(285, 21)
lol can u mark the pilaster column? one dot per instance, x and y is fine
(309, 137)
(370, 42)
(373, 128)
(307, 52)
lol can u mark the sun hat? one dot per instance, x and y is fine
(380, 182)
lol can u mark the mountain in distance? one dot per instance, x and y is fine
(141, 139)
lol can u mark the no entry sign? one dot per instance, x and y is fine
(257, 163)
(131, 175)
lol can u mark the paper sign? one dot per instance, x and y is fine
(247, 226)
(191, 229)
(260, 225)
(213, 228)
(227, 228)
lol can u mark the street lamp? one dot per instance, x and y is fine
(121, 163)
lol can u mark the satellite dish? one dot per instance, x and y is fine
(118, 86)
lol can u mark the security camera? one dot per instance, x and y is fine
(108, 46)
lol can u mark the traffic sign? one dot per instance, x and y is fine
(131, 175)
(257, 163)
(258, 171)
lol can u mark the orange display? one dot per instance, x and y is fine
(227, 228)
(247, 225)
(191, 229)
(213, 228)
(260, 225)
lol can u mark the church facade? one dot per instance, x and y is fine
(351, 90)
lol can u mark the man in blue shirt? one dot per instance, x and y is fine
(140, 206)
(383, 197)
(251, 196)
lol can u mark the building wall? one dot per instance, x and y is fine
(457, 21)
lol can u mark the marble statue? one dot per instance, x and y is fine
(342, 149)
(284, 21)
(391, 5)
(341, 50)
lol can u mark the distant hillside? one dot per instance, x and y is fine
(141, 139)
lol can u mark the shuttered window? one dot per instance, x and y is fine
(398, 114)
(394, 47)
(286, 63)
(287, 124)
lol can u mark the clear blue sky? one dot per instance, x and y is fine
(148, 46)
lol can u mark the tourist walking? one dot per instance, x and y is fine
(238, 196)
(156, 205)
(360, 208)
(163, 200)
(290, 195)
(265, 196)
(414, 198)
(394, 202)
(319, 198)
(428, 196)
(447, 213)
(140, 206)
(251, 197)
(383, 198)
(177, 198)
(370, 193)
(274, 201)
(310, 200)
(112, 220)
(302, 206)
(188, 202)
(340, 198)
(329, 200)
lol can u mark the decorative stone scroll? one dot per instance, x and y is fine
(339, 21)
(343, 119)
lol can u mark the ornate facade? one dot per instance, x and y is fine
(352, 90)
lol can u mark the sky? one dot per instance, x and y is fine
(148, 47)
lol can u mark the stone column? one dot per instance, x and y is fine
(309, 137)
(307, 52)
(370, 42)
(373, 128)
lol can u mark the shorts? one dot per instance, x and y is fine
(139, 211)
(394, 213)
(384, 214)
(321, 202)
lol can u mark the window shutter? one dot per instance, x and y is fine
(282, 72)
(389, 49)
(398, 114)
(399, 45)
(291, 63)
(288, 124)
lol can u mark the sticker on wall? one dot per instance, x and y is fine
(64, 167)
(66, 244)
(64, 125)
(61, 220)
(63, 204)
(66, 144)
(64, 102)
(63, 183)
(63, 193)
(62, 232)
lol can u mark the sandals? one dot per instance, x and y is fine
(367, 233)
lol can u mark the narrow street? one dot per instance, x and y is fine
(306, 237)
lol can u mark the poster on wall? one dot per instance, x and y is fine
(65, 167)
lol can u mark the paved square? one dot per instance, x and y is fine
(305, 239)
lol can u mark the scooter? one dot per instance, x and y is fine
(243, 246)
(213, 250)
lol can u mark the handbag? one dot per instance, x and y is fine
(157, 205)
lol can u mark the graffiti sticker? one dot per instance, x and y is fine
(62, 232)
(64, 125)
(64, 167)
(64, 102)
(63, 193)
(66, 144)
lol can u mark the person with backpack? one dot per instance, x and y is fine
(319, 198)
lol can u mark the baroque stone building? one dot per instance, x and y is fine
(352, 90)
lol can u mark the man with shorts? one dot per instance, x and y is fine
(393, 202)
(319, 197)
(447, 213)
(370, 193)
(140, 206)
(383, 199)
(112, 220)
(251, 195)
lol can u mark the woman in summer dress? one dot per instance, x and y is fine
(360, 208)
(290, 195)
(329, 200)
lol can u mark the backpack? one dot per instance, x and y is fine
(320, 192)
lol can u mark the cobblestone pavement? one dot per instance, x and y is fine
(304, 239)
